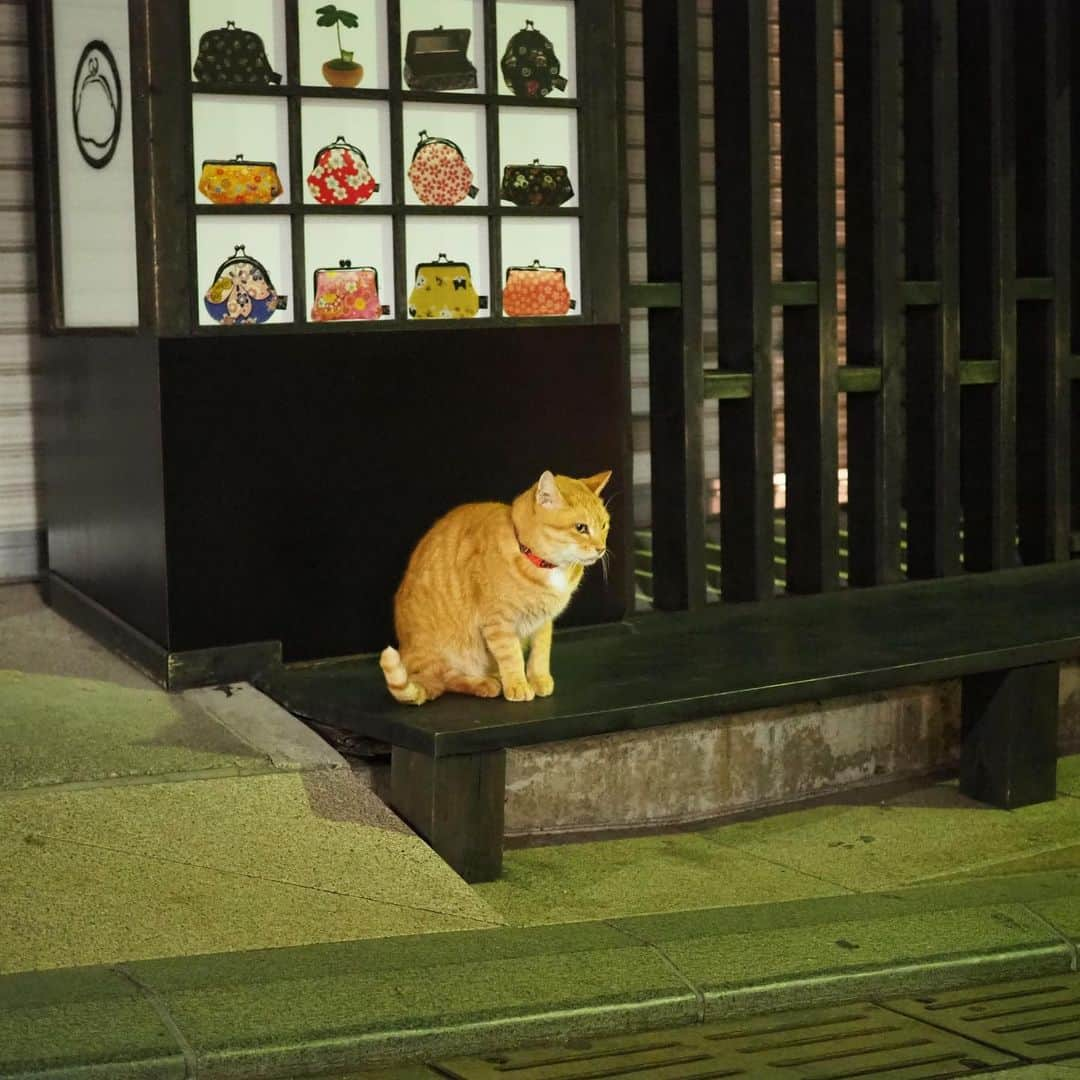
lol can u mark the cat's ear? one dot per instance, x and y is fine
(547, 492)
(597, 483)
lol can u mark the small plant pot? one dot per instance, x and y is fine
(343, 73)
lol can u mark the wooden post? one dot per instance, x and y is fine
(1010, 721)
(456, 804)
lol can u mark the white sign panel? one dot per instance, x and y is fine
(94, 161)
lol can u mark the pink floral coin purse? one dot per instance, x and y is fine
(347, 292)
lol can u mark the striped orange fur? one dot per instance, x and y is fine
(472, 603)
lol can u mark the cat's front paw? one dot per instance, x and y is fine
(542, 684)
(518, 689)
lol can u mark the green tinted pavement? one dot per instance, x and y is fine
(921, 837)
(180, 896)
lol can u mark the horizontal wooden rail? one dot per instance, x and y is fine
(794, 293)
(920, 293)
(854, 379)
(728, 385)
(979, 372)
(1034, 288)
(654, 294)
(858, 379)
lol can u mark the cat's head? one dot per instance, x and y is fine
(567, 520)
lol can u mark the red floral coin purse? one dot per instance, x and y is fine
(340, 175)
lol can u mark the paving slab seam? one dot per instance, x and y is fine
(695, 990)
(481, 923)
(985, 869)
(226, 772)
(841, 889)
(1057, 932)
(191, 1062)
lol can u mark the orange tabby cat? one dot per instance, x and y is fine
(488, 579)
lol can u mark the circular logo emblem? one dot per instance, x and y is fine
(96, 98)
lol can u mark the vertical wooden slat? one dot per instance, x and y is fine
(46, 179)
(672, 191)
(300, 300)
(988, 280)
(872, 274)
(931, 253)
(402, 271)
(808, 176)
(1071, 31)
(494, 221)
(1059, 214)
(162, 188)
(740, 95)
(1043, 226)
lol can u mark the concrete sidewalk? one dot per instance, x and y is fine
(196, 885)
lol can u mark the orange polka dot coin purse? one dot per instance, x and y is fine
(536, 290)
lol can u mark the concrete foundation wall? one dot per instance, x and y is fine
(706, 768)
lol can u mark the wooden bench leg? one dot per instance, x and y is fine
(456, 804)
(1010, 722)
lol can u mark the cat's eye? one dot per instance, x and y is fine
(581, 527)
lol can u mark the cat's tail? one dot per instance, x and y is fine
(397, 678)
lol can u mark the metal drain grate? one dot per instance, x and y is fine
(839, 1043)
(1037, 1019)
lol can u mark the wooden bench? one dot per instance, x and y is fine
(1002, 633)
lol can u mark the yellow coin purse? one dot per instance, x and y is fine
(238, 182)
(444, 290)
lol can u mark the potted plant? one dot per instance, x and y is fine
(343, 70)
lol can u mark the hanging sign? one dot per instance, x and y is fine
(96, 101)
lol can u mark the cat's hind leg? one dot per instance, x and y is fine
(477, 685)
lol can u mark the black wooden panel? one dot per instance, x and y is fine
(298, 478)
(740, 82)
(872, 274)
(103, 474)
(932, 439)
(809, 253)
(675, 336)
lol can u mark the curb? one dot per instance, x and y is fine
(266, 727)
(353, 1004)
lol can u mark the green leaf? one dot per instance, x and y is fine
(347, 18)
(326, 20)
(328, 9)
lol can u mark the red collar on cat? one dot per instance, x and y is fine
(535, 559)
